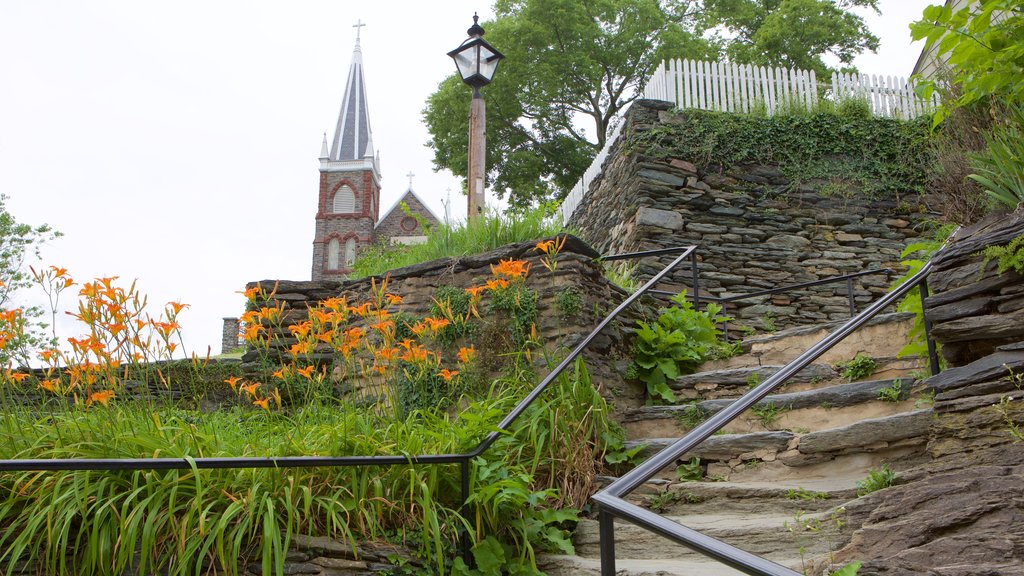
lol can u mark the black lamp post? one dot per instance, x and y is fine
(476, 61)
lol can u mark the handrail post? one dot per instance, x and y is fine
(849, 297)
(606, 533)
(465, 543)
(933, 356)
(695, 274)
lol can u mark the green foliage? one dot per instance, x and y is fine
(443, 241)
(914, 257)
(419, 388)
(691, 416)
(690, 471)
(893, 392)
(767, 413)
(662, 501)
(881, 156)
(999, 169)
(675, 345)
(851, 569)
(877, 479)
(106, 522)
(790, 33)
(982, 43)
(19, 243)
(519, 303)
(574, 62)
(569, 303)
(859, 368)
(754, 380)
(451, 303)
(1009, 257)
(807, 495)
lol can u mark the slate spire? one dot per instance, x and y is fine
(352, 137)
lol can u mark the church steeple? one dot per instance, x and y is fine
(349, 200)
(352, 137)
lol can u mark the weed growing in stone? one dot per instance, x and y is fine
(877, 479)
(803, 494)
(859, 368)
(767, 413)
(893, 392)
(690, 471)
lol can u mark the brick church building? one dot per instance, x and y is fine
(348, 216)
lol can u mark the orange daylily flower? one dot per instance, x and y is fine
(306, 372)
(388, 354)
(436, 323)
(49, 385)
(18, 376)
(262, 403)
(177, 306)
(511, 268)
(393, 299)
(103, 397)
(467, 354)
(250, 293)
(232, 381)
(249, 389)
(448, 374)
(362, 310)
(496, 283)
(419, 329)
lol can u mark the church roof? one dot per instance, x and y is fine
(352, 137)
(408, 193)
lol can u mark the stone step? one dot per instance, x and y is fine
(860, 445)
(560, 565)
(805, 410)
(882, 336)
(776, 537)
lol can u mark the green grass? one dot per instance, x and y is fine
(524, 488)
(877, 479)
(486, 233)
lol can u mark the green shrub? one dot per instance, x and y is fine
(877, 479)
(1009, 257)
(892, 393)
(679, 341)
(859, 368)
(1000, 167)
(453, 241)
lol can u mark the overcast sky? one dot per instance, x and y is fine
(176, 143)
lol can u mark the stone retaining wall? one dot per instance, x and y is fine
(756, 229)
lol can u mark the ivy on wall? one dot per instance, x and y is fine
(880, 156)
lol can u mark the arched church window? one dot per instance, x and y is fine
(333, 251)
(350, 252)
(344, 201)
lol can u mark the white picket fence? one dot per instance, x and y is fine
(744, 88)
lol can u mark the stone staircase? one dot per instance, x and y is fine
(776, 480)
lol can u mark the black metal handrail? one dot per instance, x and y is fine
(612, 505)
(464, 459)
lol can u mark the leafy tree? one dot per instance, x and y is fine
(19, 328)
(571, 65)
(983, 45)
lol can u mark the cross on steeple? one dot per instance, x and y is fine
(358, 25)
(410, 175)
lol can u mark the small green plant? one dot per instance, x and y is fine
(691, 416)
(927, 398)
(877, 479)
(690, 471)
(569, 303)
(1005, 406)
(662, 501)
(893, 392)
(768, 322)
(859, 368)
(1009, 257)
(621, 275)
(851, 569)
(767, 413)
(803, 494)
(754, 380)
(674, 345)
(914, 257)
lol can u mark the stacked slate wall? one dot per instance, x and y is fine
(756, 228)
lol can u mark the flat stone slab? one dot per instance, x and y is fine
(723, 446)
(991, 367)
(838, 396)
(742, 376)
(867, 433)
